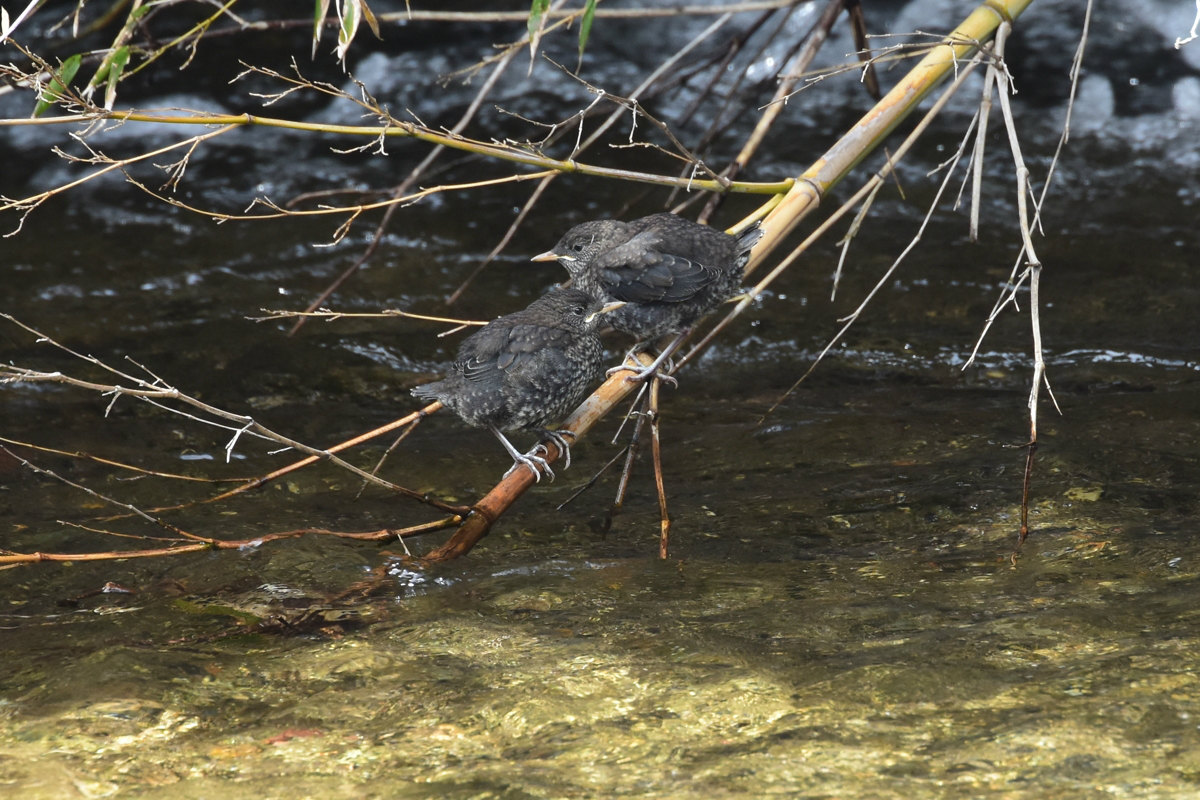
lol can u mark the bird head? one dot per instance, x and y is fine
(585, 241)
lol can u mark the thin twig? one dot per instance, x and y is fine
(383, 535)
(1018, 274)
(29, 465)
(108, 462)
(149, 392)
(333, 316)
(664, 535)
(1192, 34)
(593, 480)
(631, 450)
(408, 420)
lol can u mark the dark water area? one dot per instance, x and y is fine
(844, 612)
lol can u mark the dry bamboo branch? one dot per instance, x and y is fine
(869, 131)
(399, 129)
(866, 191)
(383, 535)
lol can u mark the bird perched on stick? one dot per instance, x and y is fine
(524, 370)
(668, 270)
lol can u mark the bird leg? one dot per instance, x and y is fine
(652, 371)
(535, 463)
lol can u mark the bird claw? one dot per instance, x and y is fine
(560, 441)
(639, 375)
(535, 463)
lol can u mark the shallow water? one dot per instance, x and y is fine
(844, 612)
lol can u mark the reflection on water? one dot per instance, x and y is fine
(843, 614)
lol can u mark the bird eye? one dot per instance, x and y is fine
(577, 247)
(578, 310)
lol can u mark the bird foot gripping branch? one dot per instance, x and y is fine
(660, 368)
(536, 459)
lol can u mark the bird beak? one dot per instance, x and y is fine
(610, 307)
(550, 255)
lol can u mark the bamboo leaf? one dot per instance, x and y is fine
(369, 18)
(114, 61)
(585, 26)
(351, 17)
(322, 10)
(536, 12)
(536, 24)
(57, 87)
(116, 67)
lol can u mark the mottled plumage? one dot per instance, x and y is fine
(669, 270)
(525, 370)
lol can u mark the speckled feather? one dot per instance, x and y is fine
(526, 369)
(670, 270)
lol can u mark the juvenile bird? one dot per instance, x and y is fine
(668, 270)
(524, 370)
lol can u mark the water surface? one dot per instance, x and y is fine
(844, 612)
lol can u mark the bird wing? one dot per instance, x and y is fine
(479, 356)
(641, 271)
(515, 350)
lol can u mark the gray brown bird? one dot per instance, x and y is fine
(668, 270)
(525, 370)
